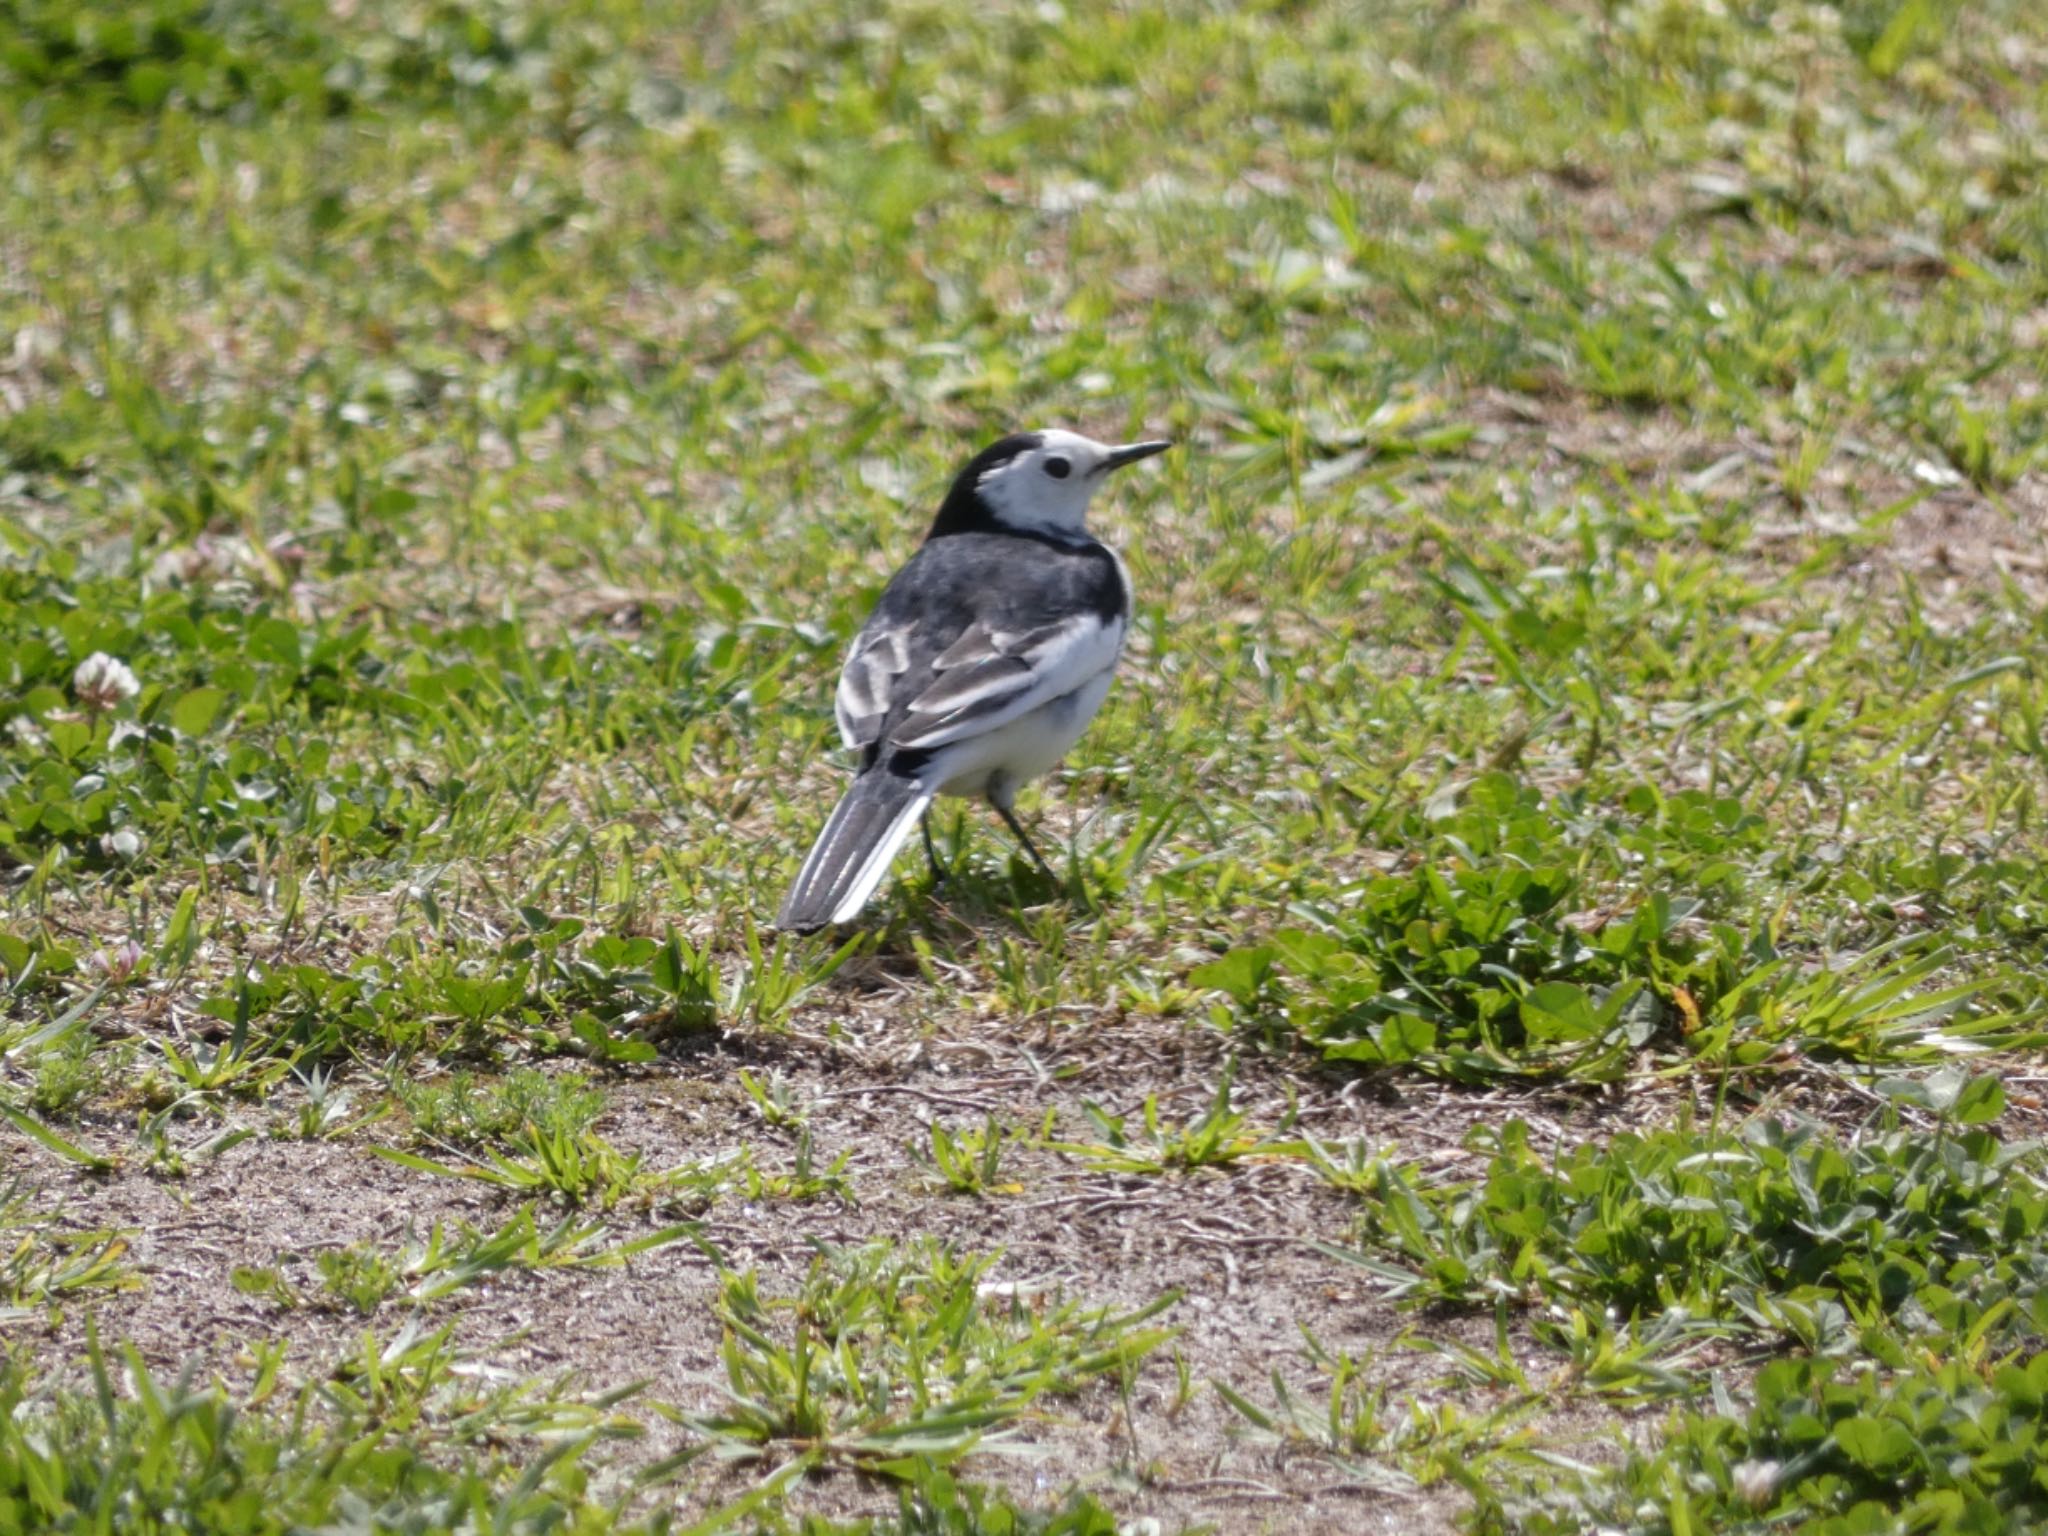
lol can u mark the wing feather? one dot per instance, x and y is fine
(962, 641)
(867, 683)
(998, 680)
(977, 642)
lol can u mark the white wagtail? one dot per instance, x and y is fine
(983, 662)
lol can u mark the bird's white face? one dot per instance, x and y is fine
(1047, 489)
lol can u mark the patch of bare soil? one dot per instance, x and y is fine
(1234, 1242)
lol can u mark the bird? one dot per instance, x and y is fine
(985, 658)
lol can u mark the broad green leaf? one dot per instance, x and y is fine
(197, 709)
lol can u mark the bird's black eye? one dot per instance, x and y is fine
(1059, 469)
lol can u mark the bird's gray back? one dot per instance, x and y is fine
(956, 590)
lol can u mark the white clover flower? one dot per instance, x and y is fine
(102, 683)
(1756, 1481)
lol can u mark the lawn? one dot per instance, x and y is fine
(1541, 1028)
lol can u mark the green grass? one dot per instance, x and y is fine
(890, 1354)
(163, 1454)
(1587, 653)
(46, 1264)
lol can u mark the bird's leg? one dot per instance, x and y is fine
(1010, 819)
(931, 855)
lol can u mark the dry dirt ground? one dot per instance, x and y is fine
(1233, 1242)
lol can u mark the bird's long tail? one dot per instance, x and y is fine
(854, 851)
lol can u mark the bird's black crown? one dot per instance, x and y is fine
(963, 510)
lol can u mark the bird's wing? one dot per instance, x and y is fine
(868, 682)
(963, 641)
(988, 677)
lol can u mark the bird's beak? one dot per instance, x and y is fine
(1130, 453)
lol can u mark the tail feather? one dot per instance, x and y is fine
(854, 851)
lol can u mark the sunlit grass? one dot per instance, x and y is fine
(1589, 639)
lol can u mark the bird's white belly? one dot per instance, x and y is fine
(1027, 746)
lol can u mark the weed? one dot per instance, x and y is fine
(43, 1264)
(469, 1111)
(970, 1161)
(577, 1168)
(1752, 1231)
(886, 1353)
(357, 1275)
(774, 1101)
(1216, 1138)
